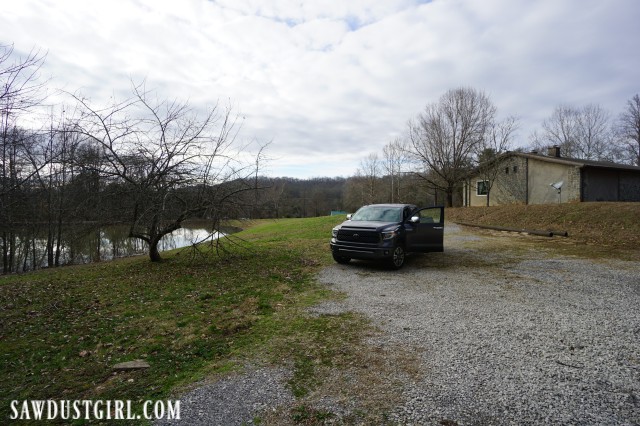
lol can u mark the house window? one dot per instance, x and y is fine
(481, 187)
(515, 169)
(506, 170)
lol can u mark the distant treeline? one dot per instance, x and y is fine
(283, 197)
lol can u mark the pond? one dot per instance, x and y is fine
(113, 242)
(79, 245)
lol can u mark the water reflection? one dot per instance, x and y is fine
(79, 245)
(114, 242)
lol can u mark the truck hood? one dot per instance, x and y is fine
(369, 226)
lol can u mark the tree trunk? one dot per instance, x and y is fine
(449, 197)
(96, 253)
(154, 254)
(34, 255)
(50, 246)
(58, 244)
(5, 254)
(12, 250)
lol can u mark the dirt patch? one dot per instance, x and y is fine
(362, 393)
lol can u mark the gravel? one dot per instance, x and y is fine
(520, 339)
(234, 400)
(502, 338)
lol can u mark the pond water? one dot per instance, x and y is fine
(114, 242)
(79, 246)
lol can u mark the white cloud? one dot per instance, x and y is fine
(330, 82)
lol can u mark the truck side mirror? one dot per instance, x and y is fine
(415, 219)
(349, 216)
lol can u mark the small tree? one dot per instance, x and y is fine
(161, 164)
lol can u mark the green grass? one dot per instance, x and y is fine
(191, 316)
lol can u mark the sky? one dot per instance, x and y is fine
(326, 83)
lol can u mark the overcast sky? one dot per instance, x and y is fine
(331, 81)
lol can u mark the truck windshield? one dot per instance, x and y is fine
(378, 214)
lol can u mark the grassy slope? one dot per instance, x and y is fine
(609, 225)
(61, 330)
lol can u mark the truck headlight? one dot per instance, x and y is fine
(389, 234)
(334, 232)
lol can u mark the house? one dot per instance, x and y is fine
(532, 178)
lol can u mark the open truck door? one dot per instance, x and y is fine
(425, 230)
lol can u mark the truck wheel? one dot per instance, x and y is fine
(340, 259)
(397, 260)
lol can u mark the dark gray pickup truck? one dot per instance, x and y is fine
(388, 232)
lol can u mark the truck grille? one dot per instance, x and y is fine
(358, 236)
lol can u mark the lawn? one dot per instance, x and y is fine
(191, 316)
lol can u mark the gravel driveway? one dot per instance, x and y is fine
(504, 332)
(507, 337)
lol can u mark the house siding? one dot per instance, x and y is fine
(511, 187)
(530, 177)
(471, 192)
(574, 184)
(541, 174)
(507, 188)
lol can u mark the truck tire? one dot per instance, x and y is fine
(397, 259)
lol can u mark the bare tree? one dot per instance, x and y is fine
(163, 164)
(445, 136)
(594, 133)
(580, 132)
(57, 149)
(394, 159)
(370, 171)
(559, 129)
(488, 152)
(628, 130)
(21, 89)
